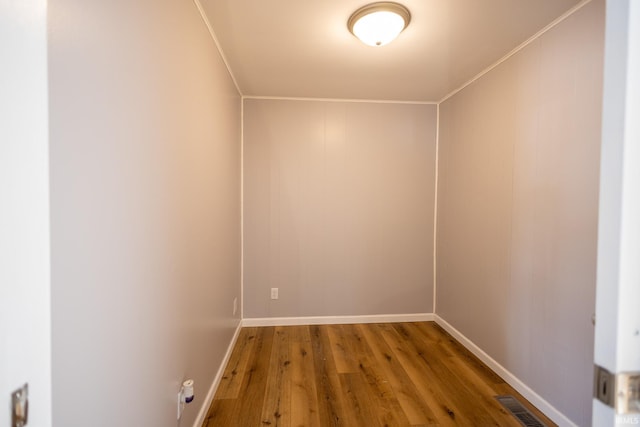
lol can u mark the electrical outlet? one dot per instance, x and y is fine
(274, 293)
(235, 306)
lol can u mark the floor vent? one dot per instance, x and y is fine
(526, 418)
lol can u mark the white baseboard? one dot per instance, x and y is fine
(337, 320)
(549, 410)
(216, 380)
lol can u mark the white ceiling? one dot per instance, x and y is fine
(302, 48)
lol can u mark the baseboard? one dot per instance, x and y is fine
(216, 380)
(337, 320)
(549, 410)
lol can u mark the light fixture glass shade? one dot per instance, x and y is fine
(377, 24)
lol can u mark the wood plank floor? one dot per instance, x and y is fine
(397, 374)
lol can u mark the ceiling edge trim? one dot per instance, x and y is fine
(524, 44)
(373, 101)
(203, 15)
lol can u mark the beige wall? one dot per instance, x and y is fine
(338, 207)
(517, 211)
(145, 206)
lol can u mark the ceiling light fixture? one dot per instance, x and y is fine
(377, 24)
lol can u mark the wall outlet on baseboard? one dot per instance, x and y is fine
(274, 293)
(235, 306)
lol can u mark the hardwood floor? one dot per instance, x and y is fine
(398, 374)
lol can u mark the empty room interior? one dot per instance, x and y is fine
(235, 179)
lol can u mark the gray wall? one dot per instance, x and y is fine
(517, 211)
(338, 207)
(145, 206)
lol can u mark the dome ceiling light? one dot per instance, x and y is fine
(377, 24)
